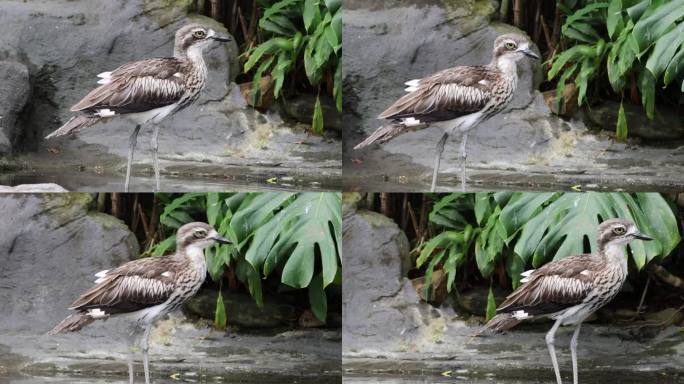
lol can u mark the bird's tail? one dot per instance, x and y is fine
(74, 125)
(498, 323)
(72, 323)
(386, 133)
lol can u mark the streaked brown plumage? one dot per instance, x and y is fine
(456, 99)
(146, 289)
(147, 90)
(571, 289)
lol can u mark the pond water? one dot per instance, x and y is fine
(589, 378)
(233, 379)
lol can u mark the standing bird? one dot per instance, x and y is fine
(144, 290)
(456, 99)
(147, 90)
(571, 289)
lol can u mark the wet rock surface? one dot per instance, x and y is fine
(524, 147)
(50, 247)
(217, 130)
(407, 340)
(15, 90)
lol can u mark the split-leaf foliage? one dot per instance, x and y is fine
(295, 237)
(526, 230)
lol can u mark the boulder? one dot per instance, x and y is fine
(667, 123)
(378, 302)
(16, 89)
(50, 247)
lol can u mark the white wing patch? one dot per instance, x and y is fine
(412, 85)
(105, 78)
(410, 122)
(105, 113)
(178, 75)
(526, 276)
(97, 313)
(521, 315)
(167, 274)
(101, 276)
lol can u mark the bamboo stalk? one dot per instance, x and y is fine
(116, 205)
(214, 12)
(504, 9)
(414, 222)
(518, 13)
(385, 204)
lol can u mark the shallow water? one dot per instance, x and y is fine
(233, 379)
(593, 378)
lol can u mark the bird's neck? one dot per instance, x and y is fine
(615, 254)
(195, 256)
(193, 56)
(506, 65)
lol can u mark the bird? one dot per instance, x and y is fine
(144, 290)
(569, 290)
(456, 99)
(147, 91)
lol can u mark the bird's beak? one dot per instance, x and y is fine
(641, 236)
(529, 53)
(221, 38)
(221, 240)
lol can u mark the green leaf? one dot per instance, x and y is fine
(647, 88)
(311, 14)
(317, 120)
(331, 38)
(269, 46)
(164, 245)
(310, 223)
(675, 67)
(317, 298)
(621, 128)
(665, 49)
(220, 318)
(213, 208)
(333, 5)
(654, 24)
(256, 80)
(337, 86)
(491, 304)
(614, 21)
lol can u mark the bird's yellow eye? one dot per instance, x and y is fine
(510, 45)
(199, 34)
(200, 233)
(619, 231)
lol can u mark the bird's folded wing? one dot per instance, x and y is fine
(551, 288)
(130, 287)
(136, 87)
(445, 95)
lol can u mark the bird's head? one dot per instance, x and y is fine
(199, 235)
(193, 38)
(619, 232)
(513, 47)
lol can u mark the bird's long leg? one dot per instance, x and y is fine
(155, 150)
(131, 374)
(438, 157)
(464, 156)
(550, 336)
(573, 352)
(144, 345)
(131, 149)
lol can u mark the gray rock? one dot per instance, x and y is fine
(32, 188)
(50, 247)
(379, 305)
(15, 90)
(301, 108)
